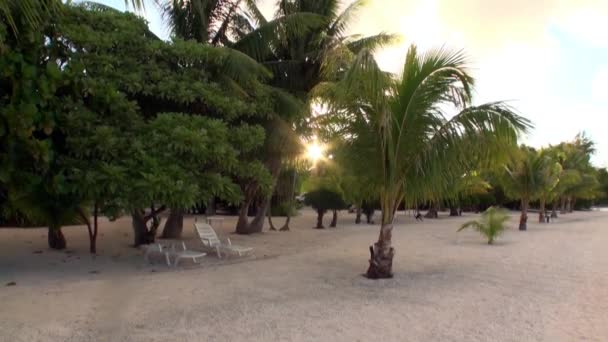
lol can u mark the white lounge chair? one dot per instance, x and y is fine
(184, 253)
(170, 251)
(156, 248)
(211, 241)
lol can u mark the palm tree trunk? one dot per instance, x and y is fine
(272, 227)
(453, 211)
(358, 215)
(523, 219)
(554, 210)
(432, 213)
(562, 209)
(571, 203)
(334, 219)
(56, 239)
(381, 254)
(541, 211)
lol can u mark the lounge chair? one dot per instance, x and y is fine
(212, 242)
(171, 251)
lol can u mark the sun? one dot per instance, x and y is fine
(314, 151)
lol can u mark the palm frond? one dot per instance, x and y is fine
(373, 43)
(259, 43)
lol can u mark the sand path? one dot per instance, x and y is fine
(547, 284)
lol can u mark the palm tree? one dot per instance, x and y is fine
(304, 44)
(526, 178)
(404, 122)
(491, 225)
(548, 192)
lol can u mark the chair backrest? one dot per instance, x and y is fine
(206, 233)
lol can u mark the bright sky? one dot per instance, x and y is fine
(548, 57)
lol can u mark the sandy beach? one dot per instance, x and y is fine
(549, 283)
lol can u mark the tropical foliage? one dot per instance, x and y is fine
(491, 225)
(412, 143)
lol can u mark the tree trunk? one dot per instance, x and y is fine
(358, 215)
(572, 204)
(320, 214)
(242, 224)
(432, 213)
(523, 219)
(56, 239)
(381, 254)
(143, 235)
(369, 215)
(272, 227)
(257, 224)
(334, 219)
(453, 211)
(210, 209)
(174, 225)
(541, 211)
(285, 227)
(562, 209)
(554, 210)
(93, 240)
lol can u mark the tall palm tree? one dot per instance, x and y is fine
(403, 122)
(303, 45)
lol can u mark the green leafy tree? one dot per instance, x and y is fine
(322, 200)
(175, 78)
(491, 225)
(402, 120)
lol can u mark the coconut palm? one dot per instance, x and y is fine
(526, 178)
(548, 192)
(404, 124)
(491, 225)
(304, 44)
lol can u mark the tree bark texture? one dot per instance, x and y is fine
(554, 210)
(334, 219)
(541, 211)
(285, 227)
(56, 239)
(432, 213)
(523, 219)
(142, 234)
(320, 214)
(381, 254)
(174, 225)
(358, 215)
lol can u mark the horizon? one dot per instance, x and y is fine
(549, 60)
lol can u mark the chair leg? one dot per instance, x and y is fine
(168, 259)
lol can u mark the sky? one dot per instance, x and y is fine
(548, 58)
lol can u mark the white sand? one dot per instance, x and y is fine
(547, 284)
